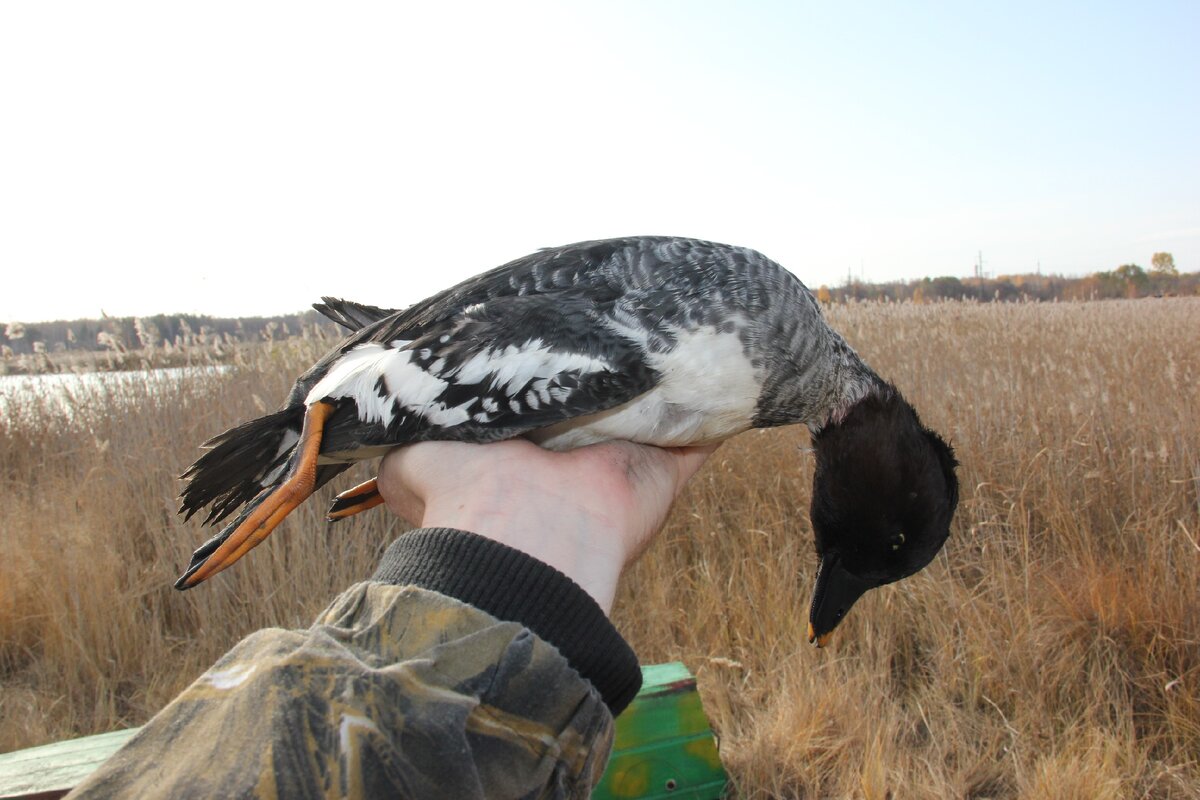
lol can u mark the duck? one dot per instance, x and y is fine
(659, 340)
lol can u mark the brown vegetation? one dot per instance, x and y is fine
(1052, 651)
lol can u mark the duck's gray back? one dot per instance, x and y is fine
(664, 286)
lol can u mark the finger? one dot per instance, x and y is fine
(679, 464)
(397, 492)
(657, 476)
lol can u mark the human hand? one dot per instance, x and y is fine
(589, 513)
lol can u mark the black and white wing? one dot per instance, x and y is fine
(492, 371)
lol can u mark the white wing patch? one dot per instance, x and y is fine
(358, 372)
(512, 367)
(417, 389)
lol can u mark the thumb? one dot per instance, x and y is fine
(688, 461)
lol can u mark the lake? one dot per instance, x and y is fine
(61, 391)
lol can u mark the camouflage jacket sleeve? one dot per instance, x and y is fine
(463, 669)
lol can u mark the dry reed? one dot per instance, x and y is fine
(1053, 650)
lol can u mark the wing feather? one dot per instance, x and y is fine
(496, 370)
(350, 315)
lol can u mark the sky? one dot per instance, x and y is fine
(245, 158)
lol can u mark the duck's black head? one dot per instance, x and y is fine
(884, 492)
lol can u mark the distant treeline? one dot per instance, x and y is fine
(168, 332)
(158, 332)
(1128, 280)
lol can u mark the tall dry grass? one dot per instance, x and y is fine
(1053, 650)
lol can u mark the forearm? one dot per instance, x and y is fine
(431, 688)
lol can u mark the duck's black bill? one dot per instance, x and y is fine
(836, 591)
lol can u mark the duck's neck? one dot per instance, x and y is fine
(818, 393)
(852, 387)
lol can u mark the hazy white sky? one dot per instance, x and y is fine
(247, 157)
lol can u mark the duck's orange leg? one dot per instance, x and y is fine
(352, 501)
(295, 489)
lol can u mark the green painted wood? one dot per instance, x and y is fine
(664, 746)
(656, 676)
(52, 770)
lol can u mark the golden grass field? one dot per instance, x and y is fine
(1052, 651)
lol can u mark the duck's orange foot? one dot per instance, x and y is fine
(352, 501)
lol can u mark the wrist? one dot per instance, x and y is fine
(510, 585)
(577, 543)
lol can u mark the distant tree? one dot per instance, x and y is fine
(1134, 278)
(1130, 272)
(948, 287)
(824, 296)
(1106, 285)
(1003, 290)
(1163, 264)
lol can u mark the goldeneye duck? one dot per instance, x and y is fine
(658, 340)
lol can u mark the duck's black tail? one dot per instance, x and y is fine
(269, 465)
(350, 315)
(240, 463)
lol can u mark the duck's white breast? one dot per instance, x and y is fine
(707, 391)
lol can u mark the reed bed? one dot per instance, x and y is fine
(1052, 650)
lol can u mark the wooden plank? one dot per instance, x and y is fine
(52, 770)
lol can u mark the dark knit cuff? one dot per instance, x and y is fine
(513, 586)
